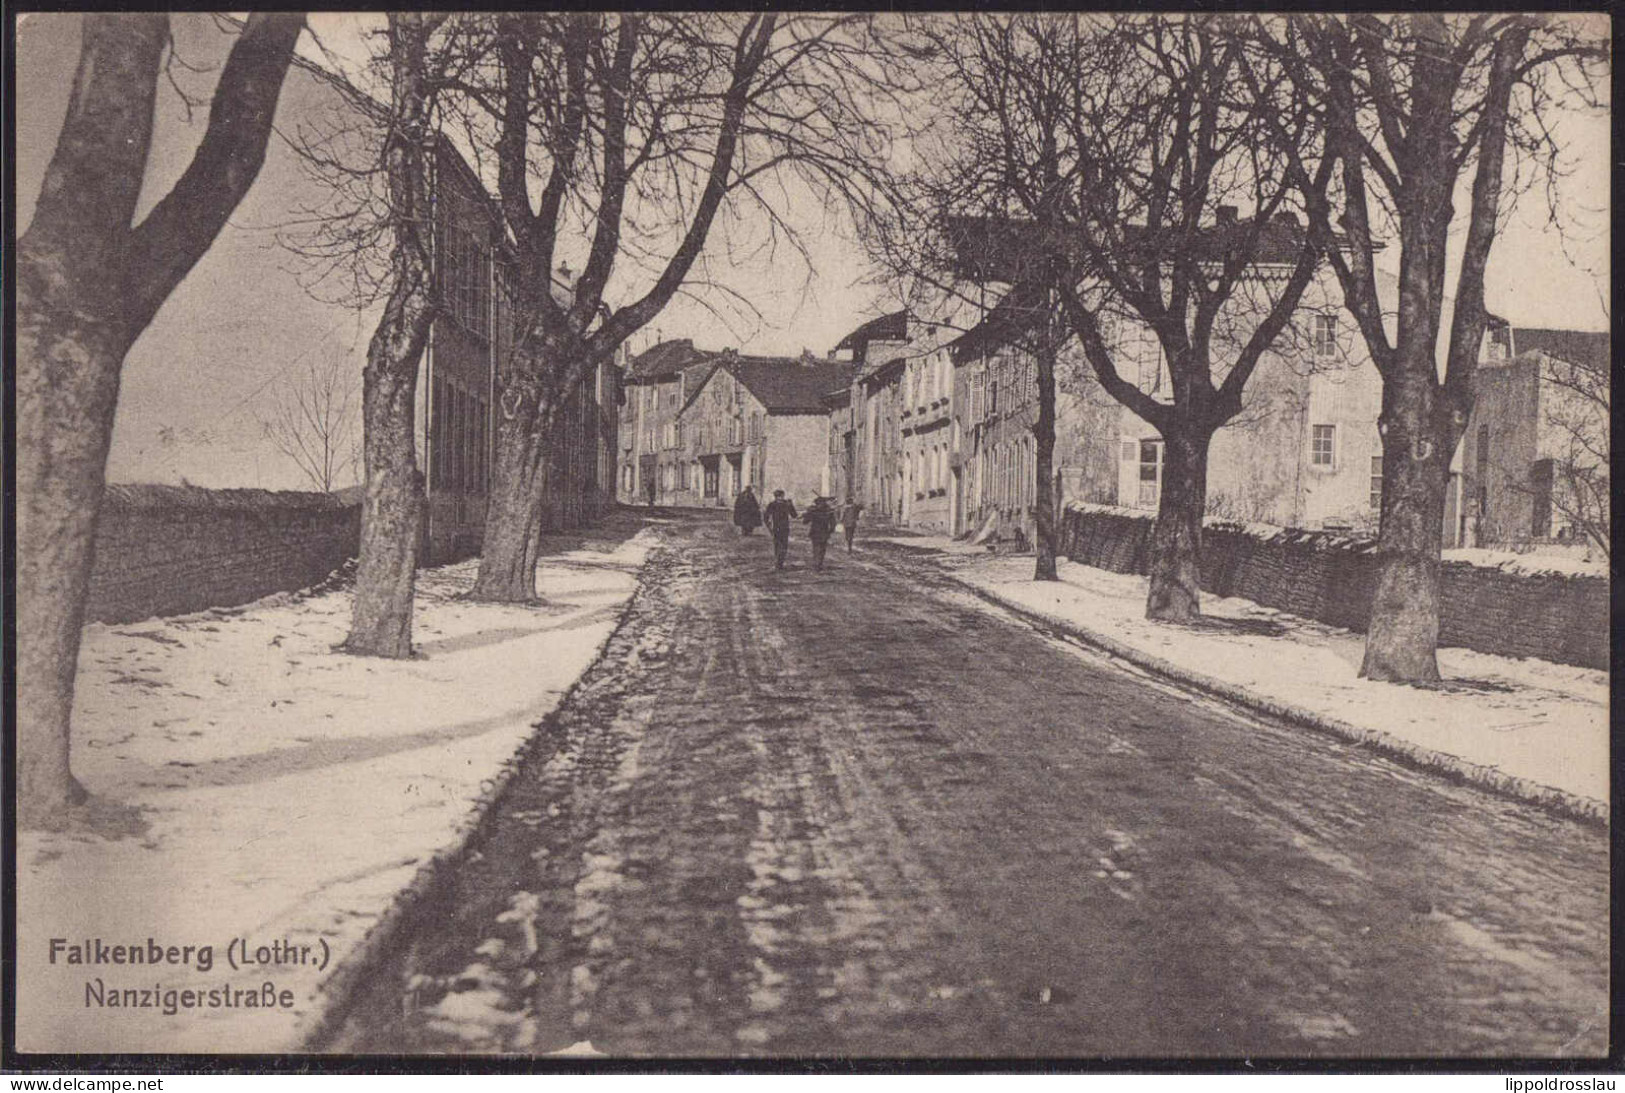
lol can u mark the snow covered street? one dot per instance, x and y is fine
(290, 791)
(1530, 720)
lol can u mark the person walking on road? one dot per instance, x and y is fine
(747, 513)
(820, 526)
(849, 520)
(780, 511)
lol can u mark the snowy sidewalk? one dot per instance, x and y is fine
(292, 792)
(1524, 726)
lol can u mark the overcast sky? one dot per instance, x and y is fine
(1538, 276)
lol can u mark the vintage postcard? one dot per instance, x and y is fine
(768, 535)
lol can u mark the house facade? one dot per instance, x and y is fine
(761, 421)
(698, 424)
(653, 457)
(1536, 452)
(471, 342)
(892, 437)
(1304, 451)
(995, 446)
(871, 466)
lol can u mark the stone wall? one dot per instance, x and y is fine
(1331, 578)
(166, 550)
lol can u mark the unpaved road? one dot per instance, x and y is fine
(858, 813)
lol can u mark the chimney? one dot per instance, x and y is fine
(1227, 214)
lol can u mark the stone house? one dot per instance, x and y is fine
(757, 420)
(1536, 453)
(652, 449)
(899, 414)
(870, 463)
(1304, 451)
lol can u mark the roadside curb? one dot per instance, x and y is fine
(1587, 810)
(334, 994)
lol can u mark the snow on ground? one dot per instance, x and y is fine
(1529, 718)
(1553, 561)
(291, 793)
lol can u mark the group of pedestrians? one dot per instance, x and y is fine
(821, 521)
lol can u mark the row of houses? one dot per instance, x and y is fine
(928, 420)
(937, 432)
(697, 426)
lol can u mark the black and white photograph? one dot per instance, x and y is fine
(566, 538)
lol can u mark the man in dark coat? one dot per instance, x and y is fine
(747, 513)
(820, 526)
(780, 511)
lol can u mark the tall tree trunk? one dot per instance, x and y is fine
(87, 285)
(392, 508)
(1044, 458)
(1176, 537)
(67, 375)
(1418, 440)
(507, 571)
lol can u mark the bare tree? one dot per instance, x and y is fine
(1576, 428)
(313, 421)
(1417, 108)
(392, 502)
(640, 130)
(1109, 156)
(88, 283)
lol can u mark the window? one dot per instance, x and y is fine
(1323, 336)
(1376, 483)
(1323, 445)
(1150, 472)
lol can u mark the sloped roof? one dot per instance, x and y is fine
(784, 385)
(666, 359)
(1587, 348)
(887, 328)
(788, 386)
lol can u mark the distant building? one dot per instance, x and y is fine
(760, 420)
(1536, 453)
(871, 465)
(652, 452)
(698, 424)
(900, 409)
